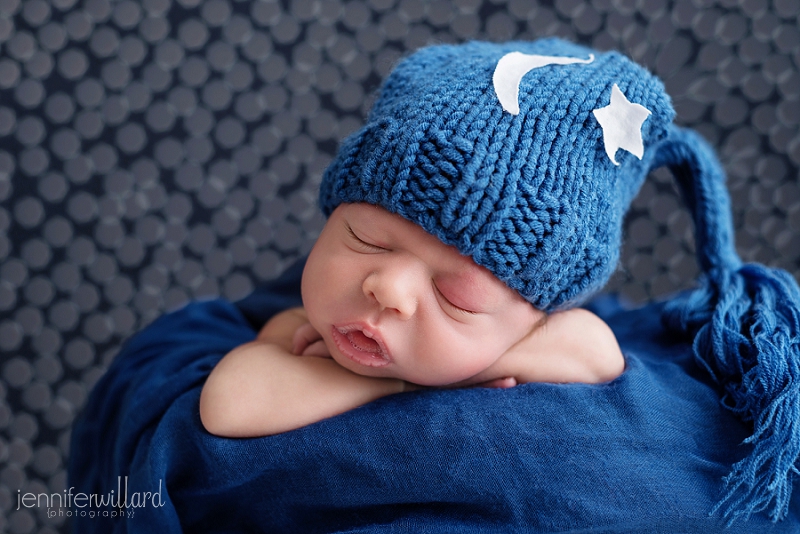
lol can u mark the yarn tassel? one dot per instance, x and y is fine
(750, 344)
(745, 321)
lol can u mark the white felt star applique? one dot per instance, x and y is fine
(621, 122)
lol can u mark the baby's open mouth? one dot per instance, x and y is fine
(362, 341)
(361, 345)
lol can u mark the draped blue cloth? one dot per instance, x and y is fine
(644, 453)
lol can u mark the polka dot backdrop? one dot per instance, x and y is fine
(158, 151)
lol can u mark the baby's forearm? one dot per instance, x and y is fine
(260, 389)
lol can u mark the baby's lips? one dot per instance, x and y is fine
(372, 335)
(351, 340)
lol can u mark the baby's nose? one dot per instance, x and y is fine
(393, 288)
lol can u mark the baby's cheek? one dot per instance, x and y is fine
(481, 352)
(315, 315)
(456, 358)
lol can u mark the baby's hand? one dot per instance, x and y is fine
(308, 342)
(501, 383)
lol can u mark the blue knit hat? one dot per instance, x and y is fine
(531, 194)
(526, 157)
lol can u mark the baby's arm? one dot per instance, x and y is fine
(261, 388)
(570, 346)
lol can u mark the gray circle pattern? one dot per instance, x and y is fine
(161, 151)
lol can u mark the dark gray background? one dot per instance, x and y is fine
(158, 151)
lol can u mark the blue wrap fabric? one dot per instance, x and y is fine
(644, 453)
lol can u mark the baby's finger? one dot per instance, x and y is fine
(318, 348)
(304, 336)
(502, 383)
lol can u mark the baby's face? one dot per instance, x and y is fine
(391, 300)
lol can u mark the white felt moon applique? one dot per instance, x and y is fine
(513, 66)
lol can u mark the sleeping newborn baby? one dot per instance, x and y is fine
(389, 308)
(480, 204)
(467, 219)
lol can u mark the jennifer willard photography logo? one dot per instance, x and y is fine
(117, 503)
